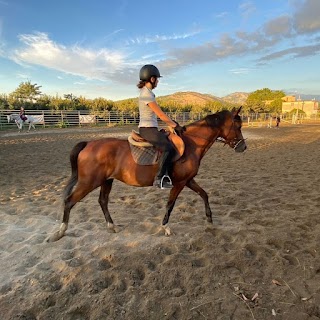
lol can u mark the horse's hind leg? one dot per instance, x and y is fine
(80, 191)
(103, 201)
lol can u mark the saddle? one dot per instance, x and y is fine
(145, 153)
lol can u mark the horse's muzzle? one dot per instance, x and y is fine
(240, 146)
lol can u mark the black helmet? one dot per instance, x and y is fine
(148, 71)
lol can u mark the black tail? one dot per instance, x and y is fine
(74, 168)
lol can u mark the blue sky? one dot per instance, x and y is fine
(96, 48)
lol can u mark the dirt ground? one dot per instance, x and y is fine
(262, 262)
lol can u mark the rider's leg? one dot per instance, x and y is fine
(161, 142)
(163, 175)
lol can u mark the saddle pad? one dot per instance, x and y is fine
(144, 155)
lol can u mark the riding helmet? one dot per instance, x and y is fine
(148, 71)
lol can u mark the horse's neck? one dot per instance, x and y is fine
(202, 130)
(202, 135)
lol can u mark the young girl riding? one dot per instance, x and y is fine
(149, 112)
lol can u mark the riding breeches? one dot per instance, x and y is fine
(157, 138)
(160, 141)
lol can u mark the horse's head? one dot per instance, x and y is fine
(230, 124)
(11, 118)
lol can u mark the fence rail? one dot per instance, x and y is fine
(64, 118)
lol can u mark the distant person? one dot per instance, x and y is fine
(23, 114)
(277, 122)
(149, 111)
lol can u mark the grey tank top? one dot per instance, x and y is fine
(147, 117)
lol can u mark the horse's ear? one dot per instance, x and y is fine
(236, 112)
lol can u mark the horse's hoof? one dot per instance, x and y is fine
(216, 220)
(55, 237)
(111, 228)
(167, 230)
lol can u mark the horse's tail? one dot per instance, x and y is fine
(74, 168)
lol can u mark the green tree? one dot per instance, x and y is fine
(276, 106)
(27, 92)
(260, 100)
(72, 101)
(4, 104)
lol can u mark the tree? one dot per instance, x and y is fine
(4, 104)
(27, 92)
(72, 104)
(276, 106)
(260, 100)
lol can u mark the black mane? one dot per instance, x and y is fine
(217, 119)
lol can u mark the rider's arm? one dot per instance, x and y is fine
(157, 110)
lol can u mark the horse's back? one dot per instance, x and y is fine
(105, 149)
(112, 158)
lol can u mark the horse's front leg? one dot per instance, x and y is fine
(196, 188)
(103, 201)
(175, 191)
(18, 125)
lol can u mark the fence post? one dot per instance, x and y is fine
(79, 118)
(44, 123)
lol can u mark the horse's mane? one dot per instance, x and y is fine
(213, 120)
(217, 119)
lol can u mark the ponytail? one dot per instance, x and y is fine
(141, 84)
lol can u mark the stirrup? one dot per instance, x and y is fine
(163, 183)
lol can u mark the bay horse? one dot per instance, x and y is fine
(19, 122)
(97, 163)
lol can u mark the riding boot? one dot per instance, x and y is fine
(163, 180)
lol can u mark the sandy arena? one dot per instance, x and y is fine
(262, 263)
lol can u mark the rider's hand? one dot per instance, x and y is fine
(179, 129)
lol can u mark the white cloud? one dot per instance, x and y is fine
(159, 38)
(240, 71)
(22, 76)
(38, 49)
(247, 8)
(222, 15)
(306, 18)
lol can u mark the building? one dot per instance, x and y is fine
(310, 108)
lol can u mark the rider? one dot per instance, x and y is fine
(149, 110)
(23, 114)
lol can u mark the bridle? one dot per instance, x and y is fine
(233, 143)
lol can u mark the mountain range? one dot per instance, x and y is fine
(237, 98)
(201, 99)
(196, 98)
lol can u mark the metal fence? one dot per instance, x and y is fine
(64, 118)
